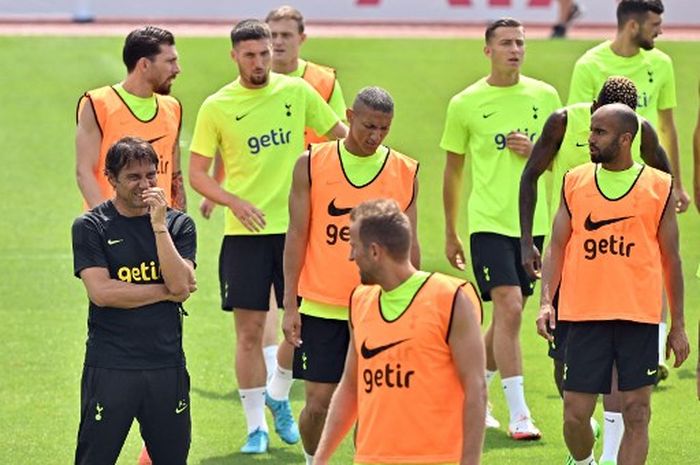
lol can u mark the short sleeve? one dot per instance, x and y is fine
(205, 139)
(667, 93)
(582, 88)
(319, 115)
(337, 101)
(88, 251)
(455, 136)
(184, 234)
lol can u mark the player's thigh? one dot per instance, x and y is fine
(493, 258)
(589, 357)
(164, 416)
(321, 357)
(636, 354)
(248, 268)
(109, 402)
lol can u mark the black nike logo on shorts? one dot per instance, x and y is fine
(156, 139)
(335, 211)
(368, 353)
(591, 225)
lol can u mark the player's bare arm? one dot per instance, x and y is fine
(251, 217)
(412, 213)
(551, 271)
(468, 353)
(339, 131)
(543, 153)
(295, 247)
(177, 272)
(669, 139)
(342, 412)
(653, 154)
(206, 206)
(451, 187)
(179, 198)
(104, 291)
(88, 138)
(677, 340)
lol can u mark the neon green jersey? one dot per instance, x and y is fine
(260, 134)
(615, 184)
(574, 148)
(337, 100)
(359, 171)
(478, 120)
(144, 108)
(394, 302)
(650, 70)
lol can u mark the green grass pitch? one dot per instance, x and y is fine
(43, 308)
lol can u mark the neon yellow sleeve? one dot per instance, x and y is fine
(205, 139)
(337, 101)
(667, 93)
(455, 137)
(582, 87)
(319, 115)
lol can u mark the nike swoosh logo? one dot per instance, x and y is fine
(488, 115)
(610, 420)
(335, 211)
(181, 407)
(156, 139)
(114, 241)
(240, 117)
(368, 353)
(591, 225)
(651, 372)
(579, 144)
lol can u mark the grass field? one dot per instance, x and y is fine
(43, 308)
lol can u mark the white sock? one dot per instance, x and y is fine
(253, 401)
(515, 396)
(309, 458)
(279, 385)
(662, 344)
(590, 460)
(613, 429)
(270, 356)
(489, 377)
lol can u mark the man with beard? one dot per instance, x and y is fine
(632, 54)
(138, 106)
(614, 222)
(257, 124)
(414, 378)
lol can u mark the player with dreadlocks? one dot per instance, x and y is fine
(563, 145)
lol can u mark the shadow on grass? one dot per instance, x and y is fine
(498, 439)
(274, 455)
(297, 393)
(685, 373)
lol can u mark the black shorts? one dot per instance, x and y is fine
(321, 357)
(249, 266)
(594, 346)
(496, 262)
(110, 400)
(557, 347)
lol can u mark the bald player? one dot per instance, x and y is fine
(627, 234)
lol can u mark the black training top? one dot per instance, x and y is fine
(146, 337)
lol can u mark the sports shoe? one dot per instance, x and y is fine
(491, 421)
(524, 429)
(144, 458)
(256, 443)
(285, 426)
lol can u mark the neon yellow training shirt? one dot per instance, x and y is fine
(394, 302)
(144, 108)
(478, 120)
(359, 170)
(337, 100)
(650, 70)
(615, 184)
(260, 134)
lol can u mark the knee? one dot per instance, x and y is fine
(574, 419)
(249, 339)
(636, 415)
(317, 406)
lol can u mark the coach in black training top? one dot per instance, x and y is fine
(135, 257)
